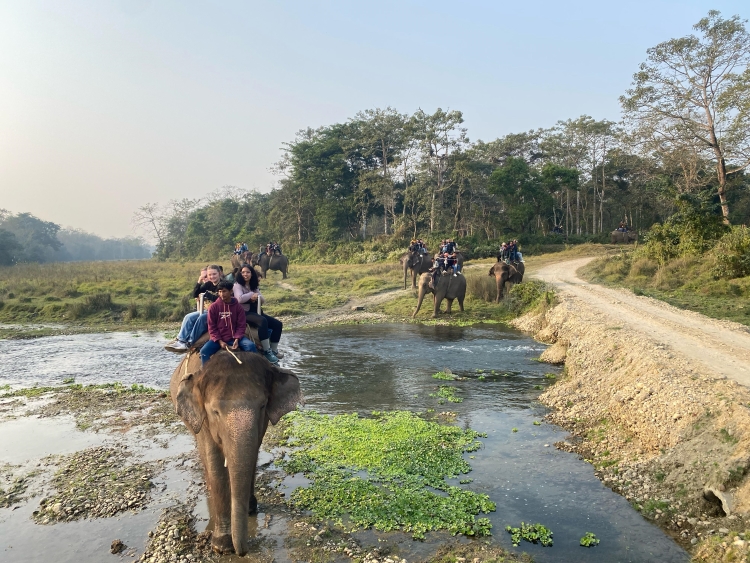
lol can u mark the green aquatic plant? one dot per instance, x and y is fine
(514, 429)
(537, 423)
(534, 533)
(481, 378)
(443, 375)
(589, 540)
(447, 393)
(550, 376)
(377, 472)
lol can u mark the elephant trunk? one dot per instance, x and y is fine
(422, 292)
(241, 473)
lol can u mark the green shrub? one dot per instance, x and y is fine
(132, 311)
(482, 287)
(187, 305)
(152, 310)
(643, 267)
(732, 254)
(90, 305)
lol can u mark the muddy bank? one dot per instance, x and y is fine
(669, 436)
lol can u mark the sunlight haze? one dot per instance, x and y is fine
(108, 105)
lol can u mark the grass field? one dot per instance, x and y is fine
(140, 294)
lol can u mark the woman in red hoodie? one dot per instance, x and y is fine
(226, 325)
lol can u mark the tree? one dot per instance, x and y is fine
(37, 238)
(9, 248)
(150, 218)
(692, 94)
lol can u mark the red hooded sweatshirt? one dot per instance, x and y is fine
(226, 321)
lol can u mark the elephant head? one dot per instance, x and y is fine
(504, 273)
(227, 406)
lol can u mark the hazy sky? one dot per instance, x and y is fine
(107, 105)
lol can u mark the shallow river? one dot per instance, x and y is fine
(377, 367)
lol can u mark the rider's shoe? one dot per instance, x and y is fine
(270, 356)
(279, 355)
(178, 347)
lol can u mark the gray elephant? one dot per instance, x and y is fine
(448, 287)
(277, 262)
(623, 237)
(418, 263)
(228, 407)
(506, 273)
(238, 260)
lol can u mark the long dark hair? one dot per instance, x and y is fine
(240, 279)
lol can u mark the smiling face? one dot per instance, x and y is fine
(213, 275)
(246, 274)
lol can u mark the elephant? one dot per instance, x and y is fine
(417, 263)
(504, 273)
(449, 287)
(239, 259)
(277, 262)
(623, 237)
(228, 406)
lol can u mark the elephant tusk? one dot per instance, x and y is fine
(225, 462)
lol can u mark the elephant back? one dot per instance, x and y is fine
(250, 331)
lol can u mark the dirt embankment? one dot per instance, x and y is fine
(663, 429)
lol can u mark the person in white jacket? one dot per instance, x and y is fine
(247, 292)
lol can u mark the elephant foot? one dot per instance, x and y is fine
(222, 544)
(253, 505)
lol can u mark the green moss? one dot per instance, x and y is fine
(375, 471)
(447, 393)
(534, 533)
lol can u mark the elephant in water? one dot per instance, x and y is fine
(623, 237)
(227, 406)
(504, 273)
(277, 262)
(448, 287)
(418, 264)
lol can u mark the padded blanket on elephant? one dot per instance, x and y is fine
(251, 332)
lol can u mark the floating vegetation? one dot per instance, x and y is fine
(443, 375)
(514, 429)
(534, 533)
(376, 472)
(447, 393)
(550, 376)
(537, 423)
(589, 540)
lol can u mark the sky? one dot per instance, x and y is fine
(108, 105)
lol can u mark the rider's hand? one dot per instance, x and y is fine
(254, 297)
(222, 344)
(236, 343)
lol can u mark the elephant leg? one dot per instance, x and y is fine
(253, 508)
(219, 494)
(449, 305)
(436, 302)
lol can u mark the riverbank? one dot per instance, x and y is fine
(669, 435)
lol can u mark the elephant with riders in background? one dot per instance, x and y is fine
(506, 272)
(447, 286)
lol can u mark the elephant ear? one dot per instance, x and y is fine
(285, 394)
(186, 406)
(492, 271)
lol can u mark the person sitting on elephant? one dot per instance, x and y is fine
(237, 248)
(450, 246)
(247, 292)
(623, 227)
(226, 325)
(438, 267)
(414, 245)
(195, 324)
(243, 247)
(451, 261)
(422, 247)
(503, 254)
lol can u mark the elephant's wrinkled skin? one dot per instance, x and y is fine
(506, 273)
(277, 262)
(623, 237)
(448, 287)
(228, 407)
(417, 263)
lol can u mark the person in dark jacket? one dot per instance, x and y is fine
(195, 324)
(226, 325)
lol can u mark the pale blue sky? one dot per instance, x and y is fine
(106, 105)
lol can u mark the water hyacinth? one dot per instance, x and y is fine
(375, 472)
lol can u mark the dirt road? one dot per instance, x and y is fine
(719, 348)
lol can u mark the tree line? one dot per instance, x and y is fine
(684, 140)
(26, 238)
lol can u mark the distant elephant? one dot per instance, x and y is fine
(277, 262)
(228, 407)
(417, 263)
(239, 259)
(449, 287)
(623, 237)
(504, 273)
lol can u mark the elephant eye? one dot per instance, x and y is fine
(216, 413)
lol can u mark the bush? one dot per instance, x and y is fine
(481, 287)
(732, 254)
(132, 311)
(90, 305)
(529, 295)
(187, 305)
(151, 310)
(643, 267)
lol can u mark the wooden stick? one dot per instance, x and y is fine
(235, 357)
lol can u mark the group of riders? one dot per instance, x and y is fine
(623, 227)
(445, 259)
(271, 248)
(509, 252)
(226, 305)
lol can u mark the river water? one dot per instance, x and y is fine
(383, 367)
